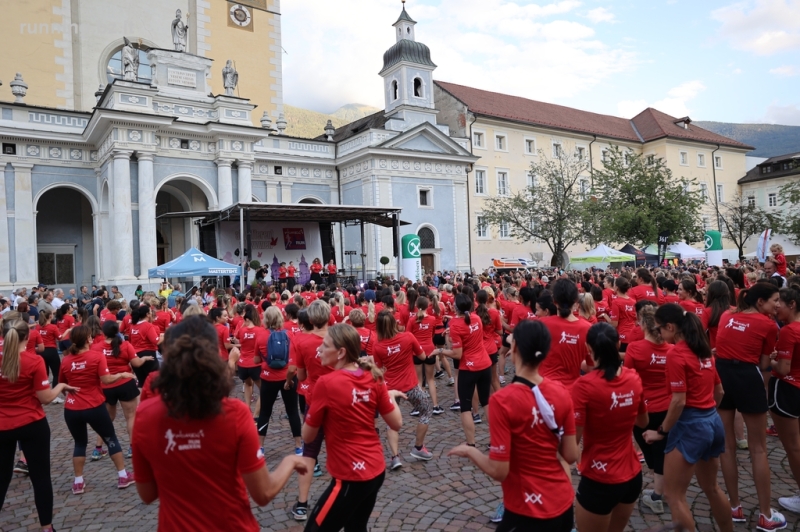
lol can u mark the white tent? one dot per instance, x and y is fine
(790, 249)
(600, 257)
(686, 252)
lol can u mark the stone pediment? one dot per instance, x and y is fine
(425, 138)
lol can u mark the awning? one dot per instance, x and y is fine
(193, 263)
(297, 212)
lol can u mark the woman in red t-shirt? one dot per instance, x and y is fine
(164, 316)
(346, 402)
(622, 313)
(316, 271)
(492, 328)
(745, 341)
(87, 371)
(195, 448)
(568, 354)
(247, 335)
(393, 351)
(144, 338)
(466, 345)
(718, 301)
(608, 402)
(670, 289)
(64, 322)
(689, 298)
(784, 385)
(532, 424)
(693, 430)
(421, 325)
(24, 388)
(49, 333)
(649, 358)
(340, 310)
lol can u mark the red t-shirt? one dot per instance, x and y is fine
(536, 485)
(308, 296)
(396, 355)
(607, 410)
(345, 407)
(65, 323)
(267, 373)
(282, 272)
(291, 270)
(331, 268)
(470, 339)
(644, 291)
(340, 316)
(521, 313)
(780, 263)
(492, 332)
(691, 375)
(788, 348)
(238, 321)
(745, 336)
(304, 350)
(247, 337)
(705, 318)
(623, 311)
(107, 315)
(423, 332)
(198, 465)
(315, 268)
(163, 320)
(439, 325)
(368, 340)
(567, 349)
(49, 335)
(125, 328)
(147, 388)
(507, 309)
(671, 298)
(690, 305)
(650, 362)
(144, 336)
(20, 405)
(223, 337)
(610, 295)
(84, 371)
(118, 364)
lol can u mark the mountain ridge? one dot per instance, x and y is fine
(769, 140)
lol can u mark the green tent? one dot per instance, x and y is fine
(602, 254)
(652, 249)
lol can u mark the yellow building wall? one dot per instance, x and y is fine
(29, 31)
(256, 56)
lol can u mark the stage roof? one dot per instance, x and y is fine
(296, 212)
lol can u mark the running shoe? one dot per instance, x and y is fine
(640, 457)
(476, 418)
(298, 451)
(656, 506)
(98, 454)
(300, 511)
(742, 445)
(451, 381)
(21, 467)
(437, 410)
(772, 431)
(414, 413)
(787, 503)
(439, 374)
(775, 521)
(456, 406)
(498, 514)
(59, 401)
(124, 482)
(317, 471)
(421, 454)
(737, 514)
(129, 454)
(502, 379)
(77, 487)
(396, 463)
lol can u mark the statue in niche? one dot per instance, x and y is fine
(179, 32)
(130, 62)
(230, 78)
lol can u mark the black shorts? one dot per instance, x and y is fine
(494, 358)
(744, 387)
(122, 393)
(653, 452)
(784, 399)
(468, 382)
(438, 339)
(249, 373)
(505, 340)
(623, 347)
(514, 522)
(429, 361)
(601, 499)
(455, 363)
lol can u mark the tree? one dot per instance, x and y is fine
(740, 220)
(551, 210)
(790, 198)
(385, 260)
(637, 198)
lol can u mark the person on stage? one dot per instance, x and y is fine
(331, 269)
(316, 271)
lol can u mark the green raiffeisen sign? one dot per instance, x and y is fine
(713, 245)
(410, 252)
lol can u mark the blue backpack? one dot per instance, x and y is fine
(278, 349)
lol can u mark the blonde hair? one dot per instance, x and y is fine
(357, 317)
(319, 313)
(586, 306)
(273, 319)
(15, 334)
(647, 318)
(776, 249)
(339, 298)
(346, 337)
(193, 310)
(401, 298)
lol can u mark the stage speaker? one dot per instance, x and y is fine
(326, 238)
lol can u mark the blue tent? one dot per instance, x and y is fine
(193, 263)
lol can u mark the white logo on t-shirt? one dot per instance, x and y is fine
(571, 339)
(736, 325)
(393, 350)
(192, 441)
(473, 328)
(533, 498)
(360, 396)
(621, 400)
(78, 366)
(658, 359)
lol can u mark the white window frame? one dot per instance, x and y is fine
(683, 158)
(525, 142)
(604, 155)
(718, 166)
(429, 189)
(706, 222)
(704, 191)
(626, 158)
(421, 86)
(505, 172)
(701, 160)
(487, 234)
(650, 159)
(583, 188)
(500, 231)
(556, 145)
(485, 184)
(720, 193)
(772, 196)
(483, 139)
(751, 200)
(501, 135)
(578, 148)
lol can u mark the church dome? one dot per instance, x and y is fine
(407, 50)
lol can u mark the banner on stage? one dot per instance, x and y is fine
(294, 238)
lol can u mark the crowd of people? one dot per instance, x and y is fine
(677, 367)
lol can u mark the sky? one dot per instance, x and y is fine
(718, 60)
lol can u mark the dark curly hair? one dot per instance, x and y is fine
(193, 379)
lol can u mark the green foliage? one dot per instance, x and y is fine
(790, 199)
(551, 211)
(385, 260)
(739, 221)
(769, 140)
(254, 264)
(637, 197)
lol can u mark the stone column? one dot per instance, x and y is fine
(24, 226)
(245, 181)
(224, 184)
(148, 257)
(286, 192)
(121, 219)
(5, 250)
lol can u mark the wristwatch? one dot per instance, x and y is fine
(661, 431)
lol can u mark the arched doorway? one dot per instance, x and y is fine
(174, 236)
(65, 237)
(427, 240)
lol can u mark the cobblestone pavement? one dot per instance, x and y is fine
(444, 494)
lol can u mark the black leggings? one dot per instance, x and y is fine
(345, 504)
(34, 440)
(515, 522)
(468, 381)
(101, 423)
(145, 369)
(653, 452)
(52, 361)
(269, 393)
(300, 399)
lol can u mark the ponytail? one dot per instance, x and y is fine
(111, 331)
(44, 317)
(689, 325)
(371, 311)
(565, 295)
(604, 341)
(79, 336)
(368, 366)
(464, 306)
(482, 310)
(644, 275)
(15, 332)
(748, 298)
(422, 306)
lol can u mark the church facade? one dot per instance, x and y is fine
(84, 190)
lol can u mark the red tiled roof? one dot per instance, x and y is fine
(648, 125)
